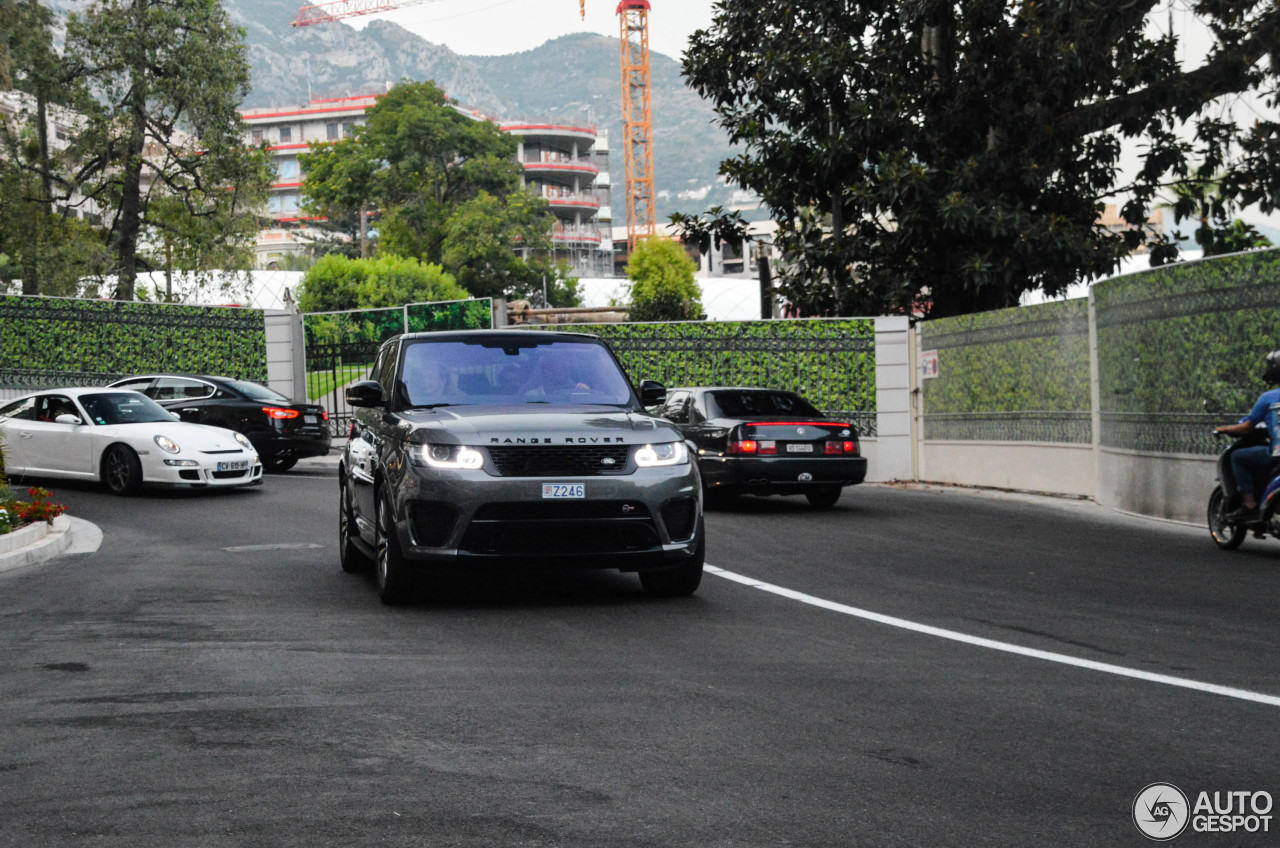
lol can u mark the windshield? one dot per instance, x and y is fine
(254, 391)
(123, 408)
(525, 371)
(745, 403)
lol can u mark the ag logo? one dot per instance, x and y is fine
(1161, 812)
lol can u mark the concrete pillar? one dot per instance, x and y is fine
(889, 458)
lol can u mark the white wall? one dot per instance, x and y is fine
(284, 374)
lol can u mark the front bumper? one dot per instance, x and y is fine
(780, 474)
(204, 475)
(648, 519)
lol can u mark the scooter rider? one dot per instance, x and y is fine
(1251, 463)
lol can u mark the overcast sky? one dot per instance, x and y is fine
(497, 27)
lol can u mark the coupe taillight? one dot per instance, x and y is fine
(745, 446)
(842, 447)
(276, 413)
(324, 416)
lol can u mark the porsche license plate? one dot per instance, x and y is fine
(804, 447)
(238, 465)
(564, 490)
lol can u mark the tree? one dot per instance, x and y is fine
(52, 251)
(955, 154)
(337, 282)
(483, 239)
(430, 172)
(168, 76)
(662, 283)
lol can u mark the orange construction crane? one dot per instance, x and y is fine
(637, 113)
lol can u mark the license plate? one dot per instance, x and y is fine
(564, 490)
(238, 465)
(801, 448)
(311, 419)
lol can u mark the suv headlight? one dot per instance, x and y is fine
(668, 453)
(167, 444)
(446, 456)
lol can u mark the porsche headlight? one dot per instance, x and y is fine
(448, 456)
(667, 453)
(244, 442)
(167, 444)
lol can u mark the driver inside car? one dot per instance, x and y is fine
(1254, 464)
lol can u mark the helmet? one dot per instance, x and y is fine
(1271, 373)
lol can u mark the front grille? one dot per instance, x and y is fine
(560, 538)
(432, 523)
(189, 474)
(680, 516)
(229, 475)
(560, 510)
(560, 461)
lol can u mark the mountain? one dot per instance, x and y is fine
(573, 79)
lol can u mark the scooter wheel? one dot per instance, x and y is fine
(1225, 535)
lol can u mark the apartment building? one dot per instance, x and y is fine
(287, 133)
(567, 165)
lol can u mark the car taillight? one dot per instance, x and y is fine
(752, 446)
(324, 416)
(277, 413)
(842, 447)
(351, 434)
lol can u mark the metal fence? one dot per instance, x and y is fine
(341, 346)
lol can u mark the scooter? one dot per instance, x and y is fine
(1225, 497)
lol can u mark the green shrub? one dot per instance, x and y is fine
(662, 283)
(339, 283)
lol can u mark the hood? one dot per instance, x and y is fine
(538, 424)
(192, 438)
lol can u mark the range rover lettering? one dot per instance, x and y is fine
(494, 449)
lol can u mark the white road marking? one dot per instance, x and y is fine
(956, 636)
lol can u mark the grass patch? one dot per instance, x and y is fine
(321, 383)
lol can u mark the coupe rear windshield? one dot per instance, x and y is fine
(110, 408)
(527, 370)
(742, 404)
(255, 391)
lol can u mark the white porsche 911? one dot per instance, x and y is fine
(121, 437)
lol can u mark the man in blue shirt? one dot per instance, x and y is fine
(1254, 464)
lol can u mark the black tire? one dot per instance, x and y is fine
(1225, 535)
(681, 581)
(391, 574)
(121, 472)
(824, 497)
(282, 464)
(353, 560)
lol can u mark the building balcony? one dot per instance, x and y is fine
(576, 236)
(569, 200)
(559, 165)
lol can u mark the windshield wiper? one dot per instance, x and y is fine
(432, 406)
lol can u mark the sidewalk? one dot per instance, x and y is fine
(39, 542)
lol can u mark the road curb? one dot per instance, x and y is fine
(41, 542)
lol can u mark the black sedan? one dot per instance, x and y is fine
(282, 431)
(766, 442)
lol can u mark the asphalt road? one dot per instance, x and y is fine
(167, 691)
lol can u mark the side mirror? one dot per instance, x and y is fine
(68, 418)
(366, 394)
(652, 393)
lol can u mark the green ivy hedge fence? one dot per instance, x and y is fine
(830, 362)
(48, 341)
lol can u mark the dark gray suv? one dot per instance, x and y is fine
(492, 449)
